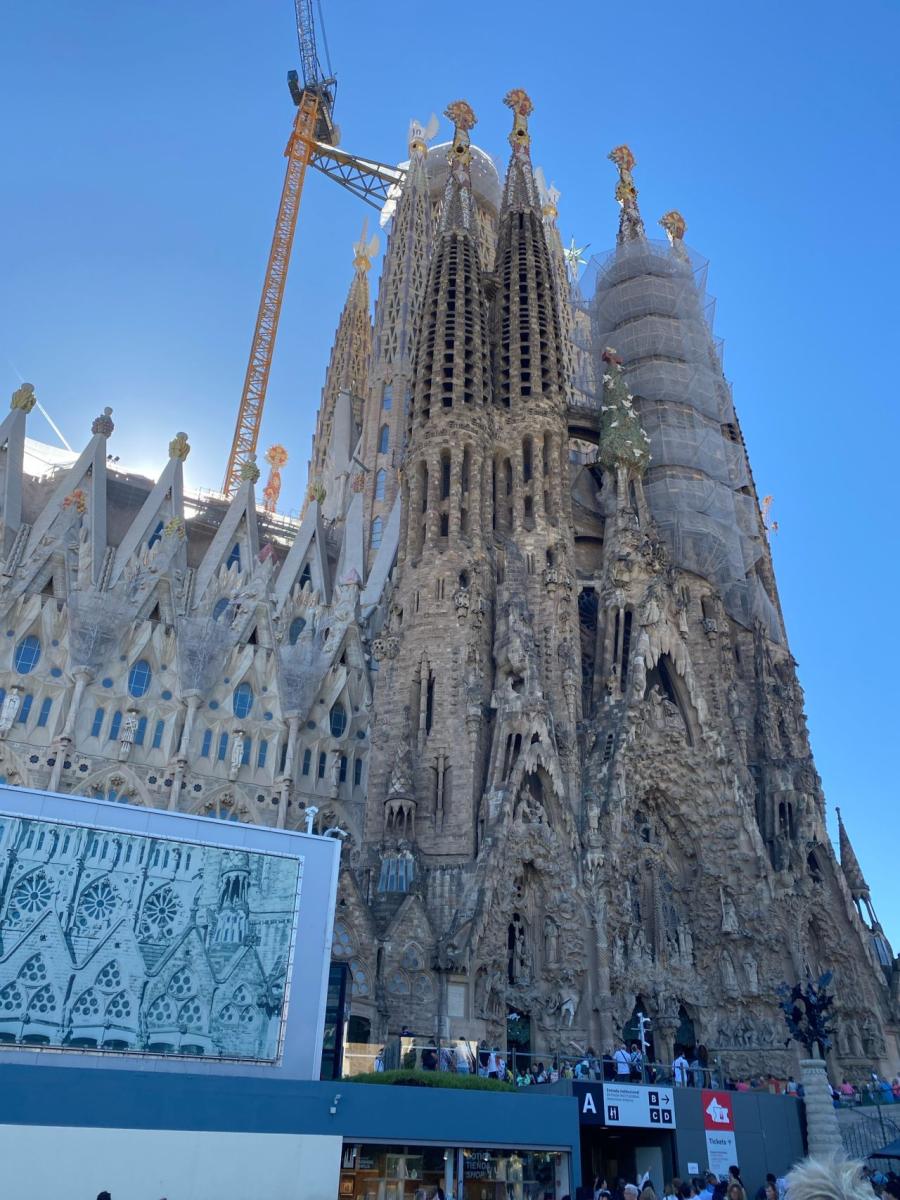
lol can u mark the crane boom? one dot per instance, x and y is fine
(246, 433)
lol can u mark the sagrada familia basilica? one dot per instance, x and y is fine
(524, 647)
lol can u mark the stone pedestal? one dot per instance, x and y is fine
(822, 1130)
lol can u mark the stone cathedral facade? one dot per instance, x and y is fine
(524, 647)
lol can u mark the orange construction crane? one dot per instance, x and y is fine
(311, 144)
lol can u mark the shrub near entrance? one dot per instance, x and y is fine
(445, 1079)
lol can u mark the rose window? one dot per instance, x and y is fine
(110, 977)
(160, 912)
(119, 1008)
(87, 1005)
(161, 1012)
(182, 984)
(11, 1000)
(191, 1015)
(30, 896)
(43, 1001)
(34, 971)
(97, 904)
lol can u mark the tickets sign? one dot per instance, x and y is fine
(718, 1125)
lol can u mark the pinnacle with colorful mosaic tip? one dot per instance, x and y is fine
(520, 190)
(675, 226)
(457, 210)
(631, 227)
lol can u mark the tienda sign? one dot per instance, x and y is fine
(718, 1123)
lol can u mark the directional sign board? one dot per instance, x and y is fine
(638, 1106)
(718, 1124)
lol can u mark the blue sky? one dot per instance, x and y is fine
(143, 165)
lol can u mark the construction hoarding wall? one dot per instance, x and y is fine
(47, 1163)
(131, 934)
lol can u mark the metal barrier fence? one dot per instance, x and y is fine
(526, 1068)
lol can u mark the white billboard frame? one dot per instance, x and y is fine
(303, 1010)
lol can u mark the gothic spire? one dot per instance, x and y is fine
(859, 889)
(348, 366)
(530, 358)
(631, 227)
(452, 345)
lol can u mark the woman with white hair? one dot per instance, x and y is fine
(828, 1179)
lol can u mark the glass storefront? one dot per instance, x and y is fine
(378, 1172)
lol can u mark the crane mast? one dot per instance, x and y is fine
(312, 143)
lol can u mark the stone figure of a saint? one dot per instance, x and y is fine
(9, 710)
(126, 734)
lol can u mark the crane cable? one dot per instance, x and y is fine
(324, 37)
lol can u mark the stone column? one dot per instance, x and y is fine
(287, 778)
(63, 743)
(823, 1132)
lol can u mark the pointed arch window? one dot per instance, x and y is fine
(234, 558)
(223, 747)
(307, 761)
(25, 710)
(139, 678)
(384, 439)
(377, 531)
(387, 398)
(158, 731)
(97, 725)
(207, 743)
(141, 732)
(297, 626)
(242, 700)
(114, 726)
(338, 720)
(261, 754)
(380, 483)
(155, 536)
(305, 577)
(44, 714)
(27, 655)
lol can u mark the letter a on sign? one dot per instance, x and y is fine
(589, 1106)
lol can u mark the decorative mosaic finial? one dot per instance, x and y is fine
(24, 398)
(463, 118)
(103, 424)
(365, 251)
(520, 102)
(179, 447)
(276, 456)
(675, 226)
(420, 135)
(631, 227)
(249, 470)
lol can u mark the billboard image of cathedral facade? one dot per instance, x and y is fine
(133, 943)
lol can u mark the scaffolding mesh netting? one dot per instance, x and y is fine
(649, 303)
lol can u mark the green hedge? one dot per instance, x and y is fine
(445, 1079)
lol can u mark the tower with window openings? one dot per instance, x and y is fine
(525, 647)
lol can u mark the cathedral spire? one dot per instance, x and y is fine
(856, 881)
(631, 227)
(348, 367)
(531, 359)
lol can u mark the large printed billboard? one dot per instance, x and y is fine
(131, 932)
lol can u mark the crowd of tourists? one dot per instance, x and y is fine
(837, 1179)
